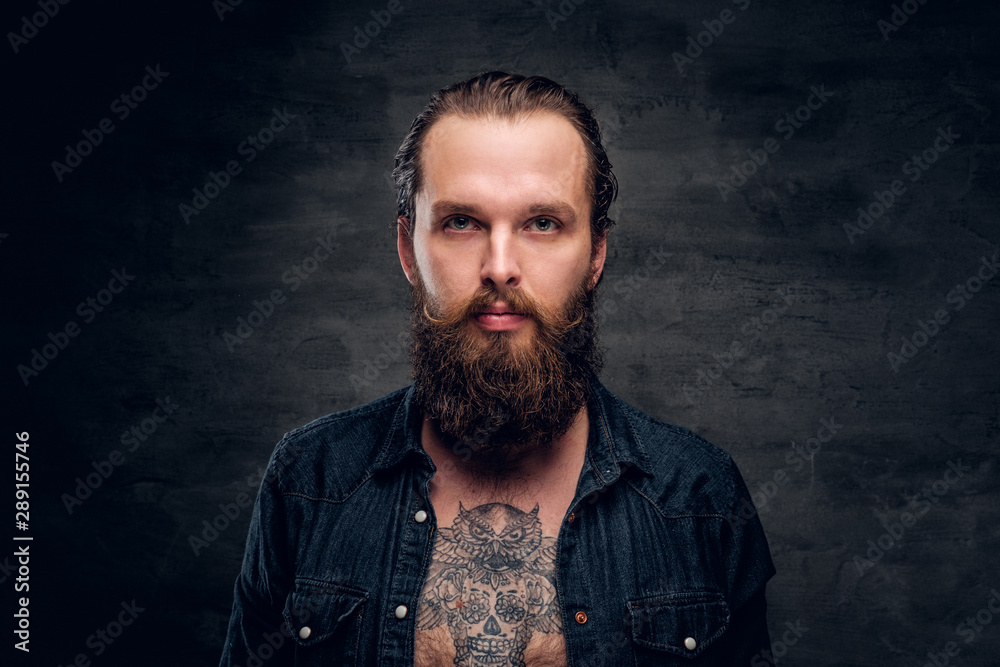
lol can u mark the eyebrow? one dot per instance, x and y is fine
(561, 209)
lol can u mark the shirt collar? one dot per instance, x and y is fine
(612, 440)
(613, 436)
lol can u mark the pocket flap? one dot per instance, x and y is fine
(315, 609)
(683, 623)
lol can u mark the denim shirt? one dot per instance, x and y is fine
(657, 548)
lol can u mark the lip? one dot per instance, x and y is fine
(500, 317)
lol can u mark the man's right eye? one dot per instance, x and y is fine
(459, 223)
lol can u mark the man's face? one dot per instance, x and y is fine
(503, 272)
(502, 204)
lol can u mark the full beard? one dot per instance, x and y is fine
(494, 396)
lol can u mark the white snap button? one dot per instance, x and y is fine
(420, 516)
(401, 611)
(690, 644)
(304, 632)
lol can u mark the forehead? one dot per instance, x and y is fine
(496, 162)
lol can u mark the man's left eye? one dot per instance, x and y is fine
(459, 223)
(544, 224)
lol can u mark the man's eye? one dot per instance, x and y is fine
(460, 224)
(544, 224)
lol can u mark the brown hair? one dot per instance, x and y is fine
(507, 96)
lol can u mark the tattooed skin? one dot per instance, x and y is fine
(492, 583)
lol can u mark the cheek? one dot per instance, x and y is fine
(555, 279)
(448, 278)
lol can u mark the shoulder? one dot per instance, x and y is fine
(331, 456)
(690, 475)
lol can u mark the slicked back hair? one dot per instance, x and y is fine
(499, 95)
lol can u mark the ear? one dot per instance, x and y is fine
(597, 263)
(404, 245)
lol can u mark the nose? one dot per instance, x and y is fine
(501, 266)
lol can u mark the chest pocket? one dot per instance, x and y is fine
(325, 619)
(676, 628)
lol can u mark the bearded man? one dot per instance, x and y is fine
(505, 508)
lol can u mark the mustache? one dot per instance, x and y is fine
(516, 300)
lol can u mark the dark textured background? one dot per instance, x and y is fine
(670, 135)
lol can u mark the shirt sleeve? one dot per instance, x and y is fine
(748, 568)
(258, 633)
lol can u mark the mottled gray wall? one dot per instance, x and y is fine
(749, 315)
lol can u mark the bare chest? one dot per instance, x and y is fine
(489, 598)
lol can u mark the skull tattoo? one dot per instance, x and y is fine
(492, 583)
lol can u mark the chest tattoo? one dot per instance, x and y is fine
(492, 582)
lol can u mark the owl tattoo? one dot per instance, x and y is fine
(492, 583)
